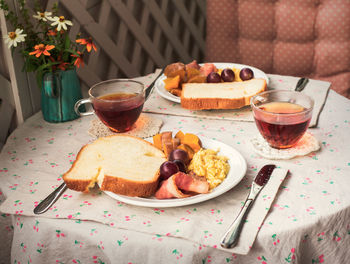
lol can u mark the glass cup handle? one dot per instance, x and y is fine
(81, 102)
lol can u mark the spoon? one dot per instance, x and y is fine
(301, 84)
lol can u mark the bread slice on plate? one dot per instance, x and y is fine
(224, 95)
(121, 164)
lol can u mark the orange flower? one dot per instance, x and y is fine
(79, 59)
(63, 65)
(41, 49)
(88, 42)
(52, 32)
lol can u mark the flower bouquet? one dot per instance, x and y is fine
(43, 40)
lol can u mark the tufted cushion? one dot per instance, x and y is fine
(289, 37)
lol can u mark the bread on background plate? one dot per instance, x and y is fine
(121, 164)
(224, 95)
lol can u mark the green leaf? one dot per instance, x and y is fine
(42, 70)
(30, 65)
(66, 47)
(39, 78)
(71, 51)
(67, 42)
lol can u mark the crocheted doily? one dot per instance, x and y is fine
(307, 144)
(145, 126)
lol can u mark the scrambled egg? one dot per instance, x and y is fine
(207, 163)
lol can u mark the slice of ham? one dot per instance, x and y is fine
(208, 68)
(174, 68)
(193, 65)
(173, 186)
(168, 189)
(191, 182)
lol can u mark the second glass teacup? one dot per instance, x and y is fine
(117, 103)
(282, 117)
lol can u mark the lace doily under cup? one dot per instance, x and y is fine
(146, 126)
(307, 144)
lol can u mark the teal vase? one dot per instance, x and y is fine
(60, 91)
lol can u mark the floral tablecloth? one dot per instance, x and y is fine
(308, 222)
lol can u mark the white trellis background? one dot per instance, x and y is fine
(133, 37)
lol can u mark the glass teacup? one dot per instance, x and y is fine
(117, 103)
(282, 117)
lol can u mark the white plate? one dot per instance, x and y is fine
(160, 86)
(238, 168)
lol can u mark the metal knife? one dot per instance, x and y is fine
(230, 238)
(45, 204)
(151, 86)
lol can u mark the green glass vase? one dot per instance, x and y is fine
(60, 91)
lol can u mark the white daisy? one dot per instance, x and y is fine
(14, 37)
(44, 16)
(61, 22)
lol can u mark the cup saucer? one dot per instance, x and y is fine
(307, 144)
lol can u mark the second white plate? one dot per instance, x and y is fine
(238, 168)
(159, 85)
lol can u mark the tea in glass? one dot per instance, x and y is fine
(117, 103)
(282, 117)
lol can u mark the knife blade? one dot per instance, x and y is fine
(230, 238)
(151, 86)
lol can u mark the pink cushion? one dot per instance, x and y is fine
(290, 37)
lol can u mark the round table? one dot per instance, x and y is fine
(308, 221)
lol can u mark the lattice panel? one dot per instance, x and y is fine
(134, 37)
(3, 67)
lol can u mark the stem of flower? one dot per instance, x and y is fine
(43, 56)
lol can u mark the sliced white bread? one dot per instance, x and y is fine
(121, 164)
(224, 95)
